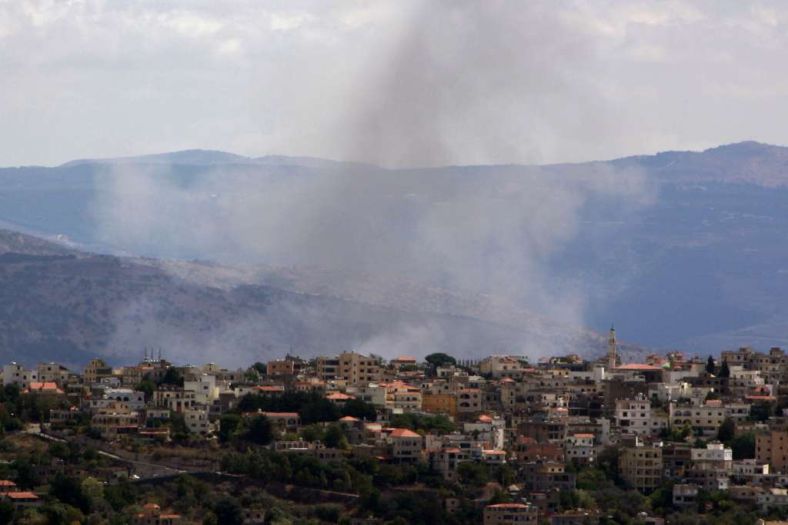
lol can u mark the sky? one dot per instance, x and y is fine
(400, 82)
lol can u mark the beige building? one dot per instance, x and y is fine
(502, 366)
(641, 466)
(114, 419)
(469, 401)
(772, 447)
(707, 417)
(349, 367)
(95, 370)
(439, 404)
(406, 445)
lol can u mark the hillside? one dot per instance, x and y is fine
(699, 266)
(60, 304)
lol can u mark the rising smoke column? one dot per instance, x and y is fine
(452, 82)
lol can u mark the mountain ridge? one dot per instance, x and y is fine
(66, 305)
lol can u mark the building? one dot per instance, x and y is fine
(641, 466)
(152, 515)
(708, 417)
(498, 366)
(16, 374)
(635, 417)
(506, 513)
(612, 349)
(95, 370)
(114, 419)
(685, 494)
(406, 445)
(439, 403)
(772, 447)
(580, 448)
(197, 419)
(349, 367)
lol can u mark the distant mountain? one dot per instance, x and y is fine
(701, 268)
(741, 163)
(65, 305)
(201, 157)
(196, 157)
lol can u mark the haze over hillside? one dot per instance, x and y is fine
(679, 249)
(66, 305)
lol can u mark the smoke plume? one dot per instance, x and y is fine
(471, 82)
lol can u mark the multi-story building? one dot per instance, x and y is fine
(772, 447)
(52, 373)
(406, 445)
(708, 417)
(641, 466)
(204, 388)
(635, 417)
(439, 403)
(580, 448)
(349, 367)
(95, 370)
(283, 367)
(16, 374)
(197, 419)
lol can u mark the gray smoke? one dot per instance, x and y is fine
(461, 81)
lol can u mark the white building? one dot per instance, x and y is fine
(16, 374)
(204, 388)
(635, 417)
(196, 418)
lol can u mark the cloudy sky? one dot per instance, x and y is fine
(398, 82)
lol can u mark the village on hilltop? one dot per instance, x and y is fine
(498, 440)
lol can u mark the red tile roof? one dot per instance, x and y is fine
(403, 433)
(22, 495)
(47, 386)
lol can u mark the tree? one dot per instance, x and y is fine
(148, 387)
(312, 433)
(710, 366)
(440, 359)
(228, 426)
(335, 437)
(172, 377)
(761, 411)
(261, 368)
(473, 474)
(360, 409)
(727, 430)
(260, 431)
(724, 370)
(228, 511)
(93, 490)
(743, 446)
(69, 490)
(6, 512)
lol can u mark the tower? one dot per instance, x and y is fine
(612, 352)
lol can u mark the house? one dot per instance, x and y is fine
(406, 445)
(152, 515)
(21, 499)
(580, 448)
(507, 513)
(282, 421)
(685, 494)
